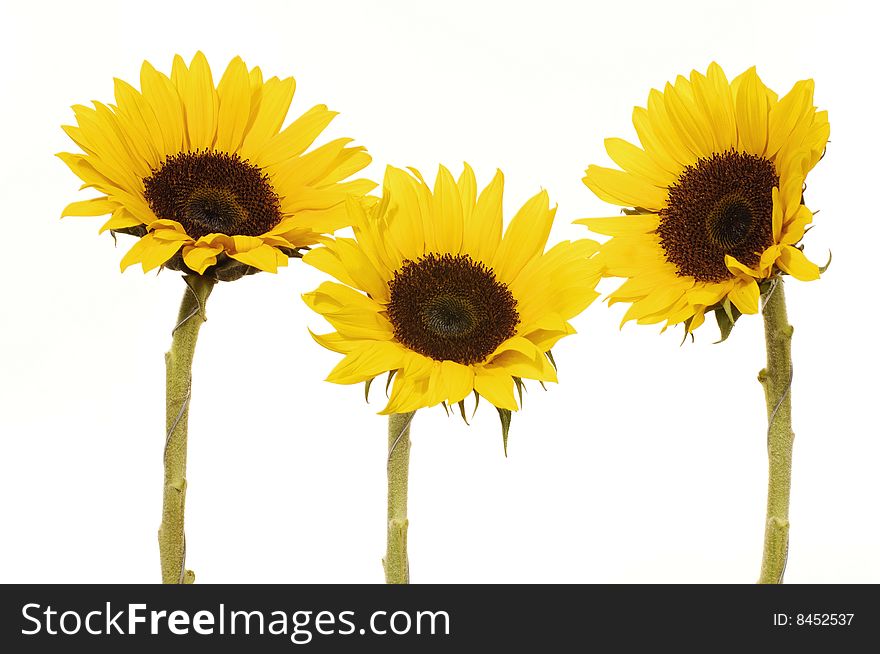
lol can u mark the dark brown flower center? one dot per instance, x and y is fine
(213, 192)
(451, 308)
(718, 206)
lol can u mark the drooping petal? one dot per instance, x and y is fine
(367, 360)
(795, 263)
(198, 258)
(496, 386)
(745, 295)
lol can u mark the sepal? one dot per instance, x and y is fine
(505, 415)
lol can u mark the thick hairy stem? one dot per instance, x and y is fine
(178, 387)
(396, 562)
(776, 379)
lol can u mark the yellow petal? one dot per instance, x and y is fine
(327, 260)
(817, 136)
(561, 281)
(467, 189)
(667, 134)
(202, 104)
(370, 227)
(447, 214)
(635, 160)
(360, 269)
(138, 124)
(659, 300)
(714, 104)
(482, 233)
(496, 386)
(793, 231)
(265, 257)
(297, 136)
(653, 145)
(546, 340)
(347, 163)
(93, 207)
(200, 257)
(698, 319)
(745, 295)
(163, 98)
(724, 117)
(167, 234)
(110, 157)
(736, 267)
(517, 364)
(688, 122)
(366, 361)
(274, 103)
(82, 168)
(624, 189)
(158, 253)
(234, 95)
(407, 215)
(336, 342)
(752, 110)
(179, 73)
(776, 216)
(525, 237)
(120, 220)
(796, 264)
(515, 344)
(137, 251)
(622, 225)
(352, 314)
(450, 382)
(708, 294)
(792, 108)
(410, 390)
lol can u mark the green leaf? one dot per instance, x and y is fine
(822, 269)
(519, 388)
(367, 385)
(728, 309)
(505, 416)
(726, 315)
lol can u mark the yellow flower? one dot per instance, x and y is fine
(433, 294)
(716, 190)
(205, 176)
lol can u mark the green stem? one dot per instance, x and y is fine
(178, 386)
(396, 562)
(776, 379)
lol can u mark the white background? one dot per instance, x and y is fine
(646, 463)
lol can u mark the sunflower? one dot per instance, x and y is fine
(432, 294)
(714, 197)
(205, 176)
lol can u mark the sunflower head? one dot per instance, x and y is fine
(713, 196)
(205, 176)
(433, 294)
